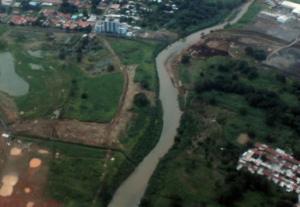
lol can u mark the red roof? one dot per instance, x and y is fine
(17, 19)
(67, 24)
(103, 4)
(47, 12)
(54, 21)
(29, 19)
(285, 157)
(83, 24)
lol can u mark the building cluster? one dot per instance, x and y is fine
(284, 11)
(293, 7)
(111, 25)
(276, 165)
(54, 18)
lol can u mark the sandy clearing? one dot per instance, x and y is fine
(15, 151)
(35, 162)
(41, 151)
(8, 183)
(30, 204)
(27, 190)
(243, 138)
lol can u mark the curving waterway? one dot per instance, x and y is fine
(132, 190)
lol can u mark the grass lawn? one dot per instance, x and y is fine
(51, 86)
(103, 94)
(249, 17)
(137, 52)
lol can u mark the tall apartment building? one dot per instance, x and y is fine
(110, 25)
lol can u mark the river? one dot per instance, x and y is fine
(132, 190)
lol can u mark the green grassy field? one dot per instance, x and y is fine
(103, 94)
(59, 85)
(249, 17)
(140, 53)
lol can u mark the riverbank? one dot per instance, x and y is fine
(132, 190)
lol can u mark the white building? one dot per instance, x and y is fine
(282, 19)
(110, 25)
(290, 5)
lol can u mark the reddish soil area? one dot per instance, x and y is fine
(33, 179)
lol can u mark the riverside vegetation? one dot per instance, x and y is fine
(230, 97)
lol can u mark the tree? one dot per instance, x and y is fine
(110, 68)
(79, 57)
(249, 50)
(84, 96)
(66, 7)
(140, 100)
(3, 44)
(270, 120)
(144, 84)
(88, 29)
(264, 157)
(281, 78)
(185, 59)
(85, 13)
(62, 54)
(243, 111)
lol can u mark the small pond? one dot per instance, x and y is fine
(10, 81)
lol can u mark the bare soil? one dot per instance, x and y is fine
(243, 139)
(24, 184)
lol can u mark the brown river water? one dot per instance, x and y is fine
(132, 190)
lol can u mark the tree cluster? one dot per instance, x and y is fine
(256, 53)
(66, 7)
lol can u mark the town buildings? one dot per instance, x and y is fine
(111, 25)
(276, 165)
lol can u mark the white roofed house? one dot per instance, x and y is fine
(290, 5)
(6, 134)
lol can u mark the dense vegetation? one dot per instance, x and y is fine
(67, 8)
(230, 98)
(191, 15)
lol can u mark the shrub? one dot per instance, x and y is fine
(140, 100)
(185, 59)
(111, 68)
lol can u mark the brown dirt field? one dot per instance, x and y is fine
(30, 183)
(9, 108)
(69, 131)
(15, 151)
(35, 162)
(243, 139)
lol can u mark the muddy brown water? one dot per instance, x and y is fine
(10, 81)
(132, 190)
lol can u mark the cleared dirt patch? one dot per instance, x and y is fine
(30, 204)
(243, 138)
(27, 190)
(41, 151)
(8, 181)
(35, 162)
(15, 151)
